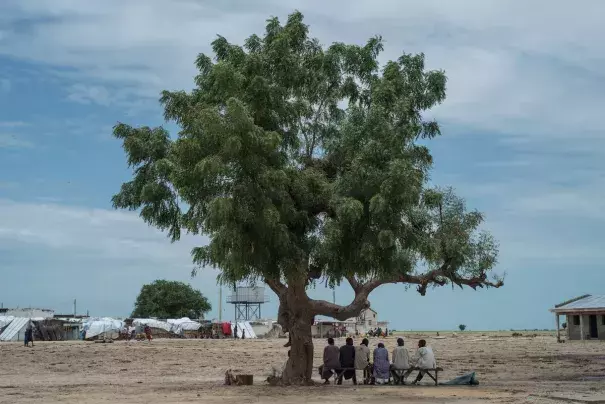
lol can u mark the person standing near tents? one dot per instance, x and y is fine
(26, 337)
(235, 331)
(29, 334)
(147, 331)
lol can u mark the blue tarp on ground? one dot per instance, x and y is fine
(468, 379)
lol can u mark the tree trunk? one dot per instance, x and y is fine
(299, 368)
(296, 316)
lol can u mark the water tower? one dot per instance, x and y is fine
(248, 301)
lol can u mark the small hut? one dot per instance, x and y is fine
(585, 317)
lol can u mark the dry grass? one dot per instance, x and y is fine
(510, 369)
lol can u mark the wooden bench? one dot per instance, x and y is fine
(340, 373)
(367, 374)
(399, 375)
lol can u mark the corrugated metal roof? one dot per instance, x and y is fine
(13, 328)
(589, 302)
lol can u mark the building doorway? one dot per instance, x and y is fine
(593, 327)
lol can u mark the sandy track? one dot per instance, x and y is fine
(519, 369)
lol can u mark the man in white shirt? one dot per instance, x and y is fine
(401, 361)
(362, 360)
(423, 359)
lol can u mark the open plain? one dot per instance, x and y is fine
(529, 368)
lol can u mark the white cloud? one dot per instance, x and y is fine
(100, 232)
(566, 202)
(89, 94)
(12, 124)
(100, 256)
(11, 140)
(529, 71)
(512, 67)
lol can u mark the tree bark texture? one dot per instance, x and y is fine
(295, 316)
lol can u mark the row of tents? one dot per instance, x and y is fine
(110, 328)
(13, 328)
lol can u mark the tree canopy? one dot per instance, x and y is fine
(170, 299)
(302, 164)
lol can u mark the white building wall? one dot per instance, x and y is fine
(573, 330)
(30, 313)
(366, 321)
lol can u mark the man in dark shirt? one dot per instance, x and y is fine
(347, 361)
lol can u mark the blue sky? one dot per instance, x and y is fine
(523, 142)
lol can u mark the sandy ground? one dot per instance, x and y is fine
(510, 370)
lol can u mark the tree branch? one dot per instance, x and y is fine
(339, 312)
(276, 286)
(439, 277)
(353, 282)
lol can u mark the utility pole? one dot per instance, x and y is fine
(75, 311)
(334, 301)
(220, 304)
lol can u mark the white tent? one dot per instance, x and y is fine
(5, 320)
(15, 331)
(183, 324)
(153, 323)
(241, 327)
(105, 327)
(249, 331)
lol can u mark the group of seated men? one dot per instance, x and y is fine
(346, 361)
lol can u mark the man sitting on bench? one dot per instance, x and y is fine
(423, 359)
(401, 362)
(362, 360)
(347, 362)
(331, 361)
(382, 366)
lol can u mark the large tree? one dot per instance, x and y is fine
(170, 299)
(307, 164)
